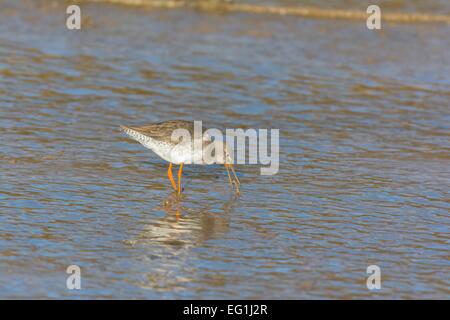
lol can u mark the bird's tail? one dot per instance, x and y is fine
(128, 131)
(135, 135)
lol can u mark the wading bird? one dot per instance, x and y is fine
(159, 138)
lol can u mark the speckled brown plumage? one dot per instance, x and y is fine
(162, 131)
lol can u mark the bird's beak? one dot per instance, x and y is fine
(229, 176)
(234, 173)
(235, 180)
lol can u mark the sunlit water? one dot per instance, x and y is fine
(364, 175)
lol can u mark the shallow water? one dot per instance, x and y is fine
(364, 155)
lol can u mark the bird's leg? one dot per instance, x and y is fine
(169, 173)
(180, 172)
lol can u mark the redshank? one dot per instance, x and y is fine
(158, 138)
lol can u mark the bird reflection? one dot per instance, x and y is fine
(187, 224)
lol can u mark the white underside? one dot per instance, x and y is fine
(180, 153)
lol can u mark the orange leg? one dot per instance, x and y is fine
(169, 173)
(180, 172)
